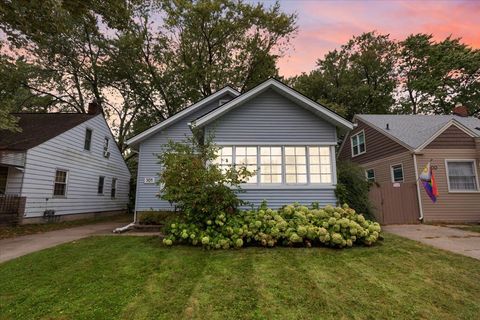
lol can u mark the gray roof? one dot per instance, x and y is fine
(414, 130)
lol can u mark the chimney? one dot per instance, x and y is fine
(94, 108)
(460, 110)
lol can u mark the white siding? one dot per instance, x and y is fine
(14, 181)
(84, 167)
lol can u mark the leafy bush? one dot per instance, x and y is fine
(156, 217)
(197, 186)
(353, 188)
(291, 225)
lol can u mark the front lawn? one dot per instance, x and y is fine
(137, 278)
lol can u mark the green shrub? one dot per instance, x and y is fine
(156, 217)
(352, 187)
(292, 225)
(196, 185)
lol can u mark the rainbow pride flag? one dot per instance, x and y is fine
(428, 181)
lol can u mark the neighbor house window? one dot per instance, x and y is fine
(224, 158)
(397, 173)
(358, 143)
(88, 139)
(320, 164)
(106, 144)
(101, 182)
(295, 165)
(60, 186)
(370, 174)
(270, 164)
(113, 189)
(462, 175)
(247, 157)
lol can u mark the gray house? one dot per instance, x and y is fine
(65, 162)
(287, 138)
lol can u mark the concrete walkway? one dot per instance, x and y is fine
(455, 240)
(15, 247)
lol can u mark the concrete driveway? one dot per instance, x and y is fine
(15, 247)
(458, 241)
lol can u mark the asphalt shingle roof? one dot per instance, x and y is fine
(414, 130)
(38, 128)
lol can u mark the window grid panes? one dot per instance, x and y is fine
(88, 139)
(60, 187)
(461, 176)
(320, 165)
(358, 143)
(247, 157)
(397, 173)
(270, 165)
(224, 158)
(370, 174)
(101, 182)
(295, 165)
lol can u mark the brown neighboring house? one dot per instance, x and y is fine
(394, 149)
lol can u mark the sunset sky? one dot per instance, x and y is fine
(325, 25)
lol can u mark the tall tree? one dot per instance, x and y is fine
(357, 78)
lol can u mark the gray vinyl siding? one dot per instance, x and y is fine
(66, 152)
(270, 117)
(276, 197)
(148, 166)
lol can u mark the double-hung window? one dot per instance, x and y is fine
(397, 173)
(88, 139)
(101, 183)
(462, 176)
(370, 175)
(295, 165)
(247, 157)
(358, 144)
(60, 185)
(320, 165)
(270, 164)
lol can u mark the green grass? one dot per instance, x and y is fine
(25, 229)
(138, 278)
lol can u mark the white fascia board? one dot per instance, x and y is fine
(147, 133)
(321, 111)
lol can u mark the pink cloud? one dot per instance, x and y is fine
(326, 25)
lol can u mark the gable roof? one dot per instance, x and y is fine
(38, 128)
(176, 117)
(316, 108)
(416, 131)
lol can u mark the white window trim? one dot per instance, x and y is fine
(66, 183)
(364, 142)
(475, 171)
(91, 140)
(366, 174)
(393, 176)
(284, 184)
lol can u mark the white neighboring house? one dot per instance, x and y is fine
(62, 164)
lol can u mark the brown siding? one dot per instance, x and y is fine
(382, 167)
(452, 138)
(378, 145)
(454, 207)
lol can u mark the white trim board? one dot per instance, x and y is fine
(147, 133)
(283, 89)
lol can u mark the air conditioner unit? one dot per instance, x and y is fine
(106, 154)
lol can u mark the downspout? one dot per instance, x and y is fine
(418, 187)
(131, 224)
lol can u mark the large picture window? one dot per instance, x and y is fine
(462, 176)
(358, 144)
(320, 165)
(295, 165)
(280, 164)
(270, 164)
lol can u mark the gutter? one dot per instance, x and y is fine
(418, 187)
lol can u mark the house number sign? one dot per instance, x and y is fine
(149, 180)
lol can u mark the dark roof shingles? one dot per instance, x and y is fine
(38, 128)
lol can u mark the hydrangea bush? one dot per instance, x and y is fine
(292, 225)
